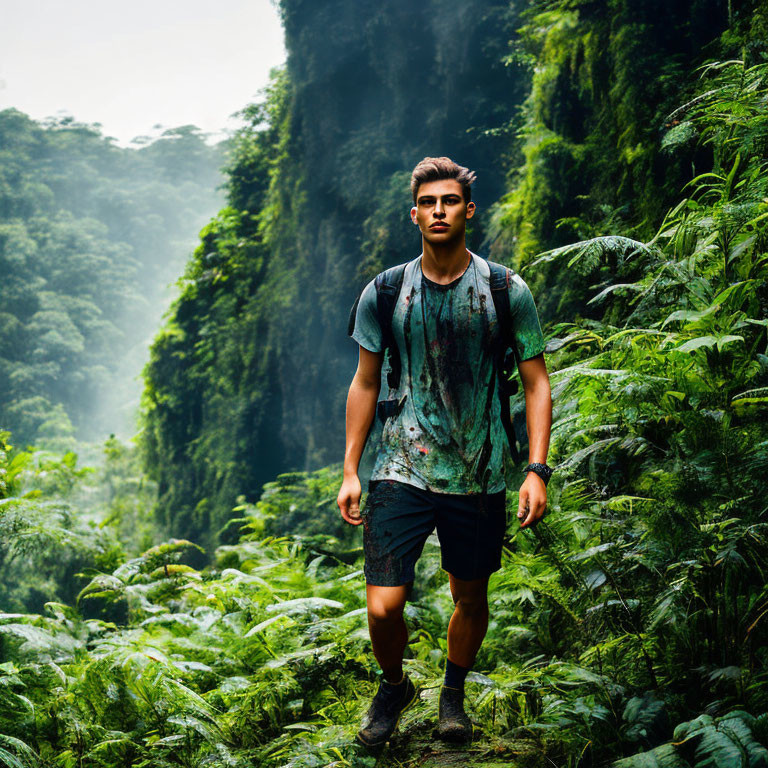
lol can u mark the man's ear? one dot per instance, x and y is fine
(470, 209)
(413, 216)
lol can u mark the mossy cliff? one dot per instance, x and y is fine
(558, 107)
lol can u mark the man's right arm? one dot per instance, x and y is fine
(361, 411)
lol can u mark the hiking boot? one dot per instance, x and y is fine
(453, 722)
(384, 713)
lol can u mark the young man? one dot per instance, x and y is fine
(441, 459)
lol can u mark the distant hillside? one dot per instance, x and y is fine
(92, 237)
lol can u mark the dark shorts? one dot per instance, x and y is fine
(398, 518)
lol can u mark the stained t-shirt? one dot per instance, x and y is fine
(448, 436)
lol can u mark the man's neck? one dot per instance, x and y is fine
(445, 262)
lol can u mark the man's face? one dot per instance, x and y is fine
(440, 210)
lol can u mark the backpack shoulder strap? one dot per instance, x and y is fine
(388, 284)
(353, 315)
(500, 278)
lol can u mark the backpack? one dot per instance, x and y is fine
(388, 284)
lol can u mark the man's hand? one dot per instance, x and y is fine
(533, 500)
(349, 500)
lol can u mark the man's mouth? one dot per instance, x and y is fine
(439, 226)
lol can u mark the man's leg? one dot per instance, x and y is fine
(471, 533)
(398, 519)
(466, 631)
(469, 621)
(389, 637)
(389, 634)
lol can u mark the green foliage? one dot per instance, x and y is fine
(43, 539)
(660, 438)
(628, 627)
(90, 236)
(248, 377)
(725, 741)
(606, 87)
(124, 497)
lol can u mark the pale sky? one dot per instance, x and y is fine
(130, 66)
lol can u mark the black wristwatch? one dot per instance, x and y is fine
(544, 471)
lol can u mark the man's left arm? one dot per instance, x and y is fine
(538, 418)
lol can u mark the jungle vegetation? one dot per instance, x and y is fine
(563, 125)
(209, 616)
(92, 239)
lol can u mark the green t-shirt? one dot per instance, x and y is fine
(448, 436)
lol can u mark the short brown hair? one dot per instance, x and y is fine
(436, 168)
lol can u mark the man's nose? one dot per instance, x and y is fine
(439, 209)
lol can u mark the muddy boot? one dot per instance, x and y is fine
(453, 722)
(382, 717)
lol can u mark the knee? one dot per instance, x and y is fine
(472, 606)
(381, 610)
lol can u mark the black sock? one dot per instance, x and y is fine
(454, 675)
(392, 687)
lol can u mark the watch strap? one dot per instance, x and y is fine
(544, 471)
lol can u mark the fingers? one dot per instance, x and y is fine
(353, 519)
(350, 509)
(526, 521)
(532, 516)
(530, 513)
(522, 503)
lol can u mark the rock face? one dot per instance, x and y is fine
(249, 377)
(375, 88)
